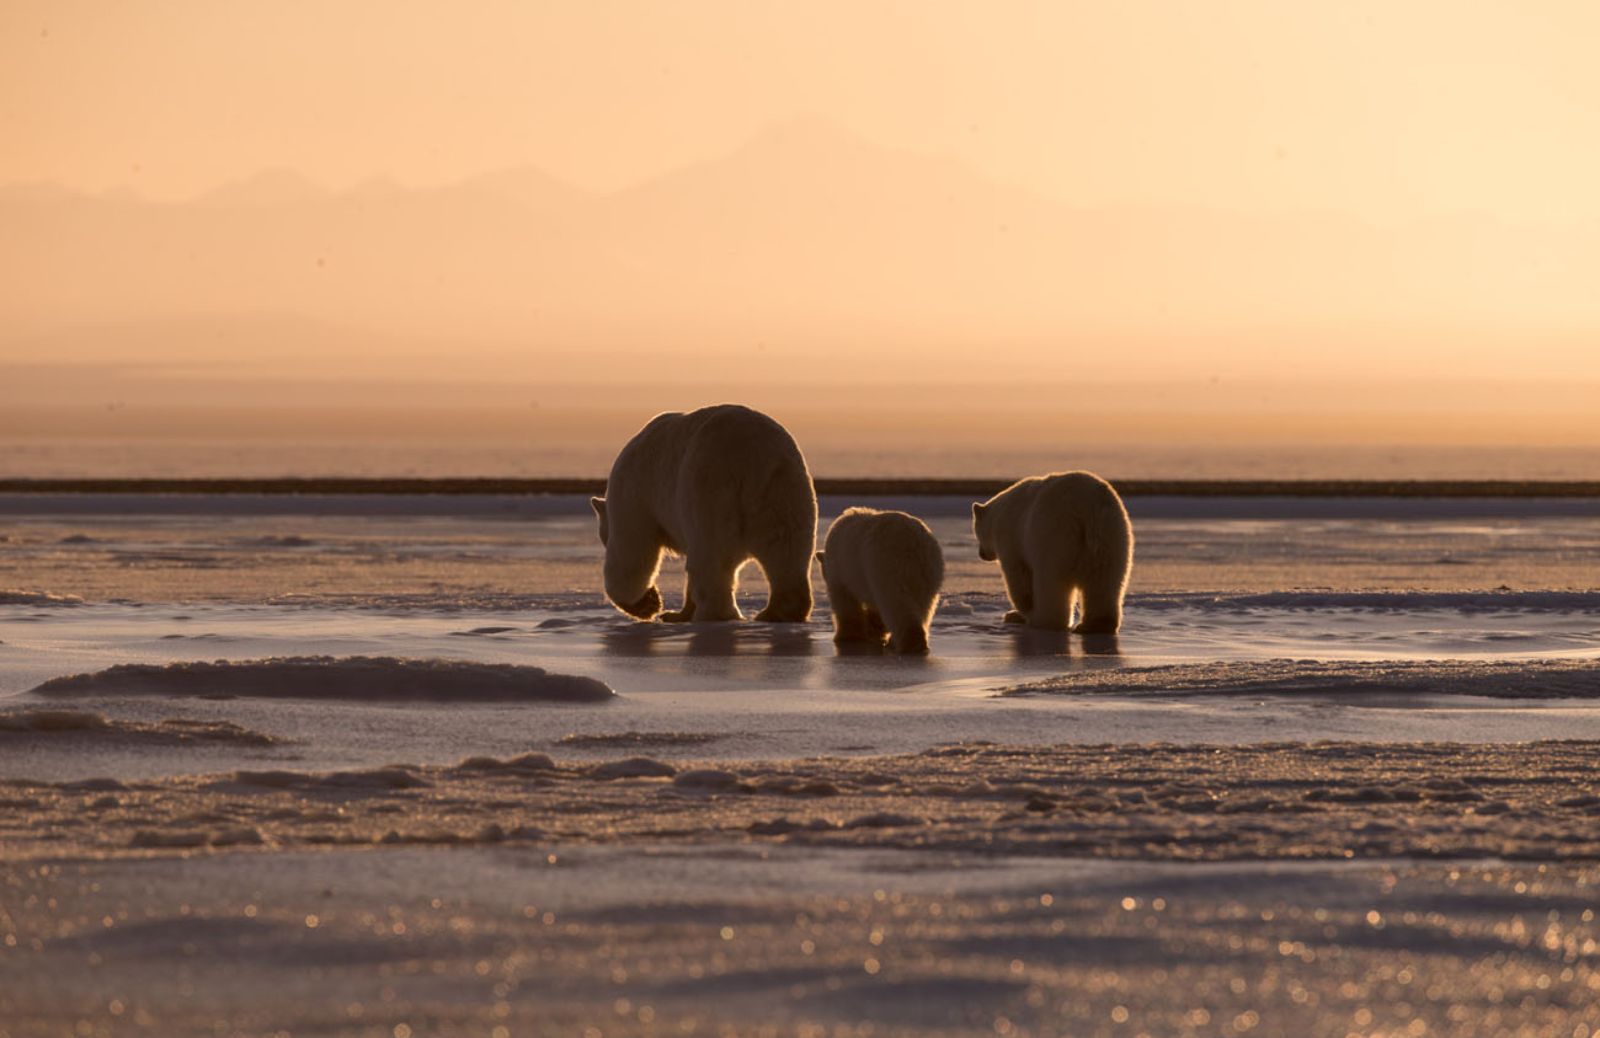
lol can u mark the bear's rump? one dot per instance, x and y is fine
(1076, 535)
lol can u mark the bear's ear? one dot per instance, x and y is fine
(819, 557)
(599, 505)
(977, 508)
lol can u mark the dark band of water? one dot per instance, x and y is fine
(827, 486)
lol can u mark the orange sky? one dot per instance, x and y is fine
(1379, 109)
(929, 192)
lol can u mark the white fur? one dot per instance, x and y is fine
(883, 571)
(1059, 538)
(719, 486)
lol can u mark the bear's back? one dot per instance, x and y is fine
(735, 436)
(1077, 505)
(726, 468)
(1075, 489)
(888, 543)
(714, 433)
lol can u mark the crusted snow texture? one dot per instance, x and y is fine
(366, 678)
(1503, 679)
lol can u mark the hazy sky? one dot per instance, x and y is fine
(1348, 208)
(1385, 109)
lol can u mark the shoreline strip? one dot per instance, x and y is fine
(826, 486)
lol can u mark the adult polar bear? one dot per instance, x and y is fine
(719, 486)
(1058, 538)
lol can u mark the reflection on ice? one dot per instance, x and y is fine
(1030, 641)
(709, 639)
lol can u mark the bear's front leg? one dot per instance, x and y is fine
(646, 608)
(1019, 588)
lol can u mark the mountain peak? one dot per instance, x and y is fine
(273, 186)
(527, 185)
(809, 131)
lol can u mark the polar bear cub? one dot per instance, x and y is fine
(1059, 538)
(883, 571)
(719, 486)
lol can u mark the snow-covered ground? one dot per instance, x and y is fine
(373, 646)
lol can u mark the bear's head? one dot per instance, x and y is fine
(630, 567)
(646, 607)
(982, 530)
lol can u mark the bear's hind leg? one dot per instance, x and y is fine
(1052, 603)
(912, 640)
(1103, 585)
(908, 631)
(790, 581)
(709, 592)
(850, 623)
(715, 586)
(1102, 611)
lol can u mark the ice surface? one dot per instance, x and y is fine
(772, 691)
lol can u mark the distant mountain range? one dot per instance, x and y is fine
(805, 237)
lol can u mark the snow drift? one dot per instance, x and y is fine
(363, 678)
